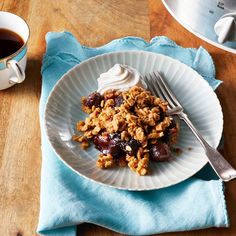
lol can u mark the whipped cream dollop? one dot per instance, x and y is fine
(120, 77)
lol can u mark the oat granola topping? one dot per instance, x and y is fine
(129, 128)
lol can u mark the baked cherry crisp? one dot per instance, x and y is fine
(128, 128)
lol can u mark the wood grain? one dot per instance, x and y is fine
(93, 22)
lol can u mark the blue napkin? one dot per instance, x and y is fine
(68, 199)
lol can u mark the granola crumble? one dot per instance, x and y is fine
(128, 127)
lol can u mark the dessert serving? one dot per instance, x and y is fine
(64, 110)
(126, 123)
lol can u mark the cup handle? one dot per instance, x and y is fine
(19, 73)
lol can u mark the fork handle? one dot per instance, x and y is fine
(222, 167)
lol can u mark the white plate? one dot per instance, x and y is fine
(63, 110)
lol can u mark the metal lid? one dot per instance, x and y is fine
(200, 17)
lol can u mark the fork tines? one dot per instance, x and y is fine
(159, 87)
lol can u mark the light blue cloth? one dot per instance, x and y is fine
(68, 199)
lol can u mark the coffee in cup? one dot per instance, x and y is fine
(14, 34)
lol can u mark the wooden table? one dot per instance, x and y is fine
(93, 22)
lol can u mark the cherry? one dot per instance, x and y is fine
(160, 152)
(93, 99)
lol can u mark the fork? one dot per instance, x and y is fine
(157, 85)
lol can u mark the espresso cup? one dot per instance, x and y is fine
(12, 67)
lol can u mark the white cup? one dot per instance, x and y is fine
(12, 67)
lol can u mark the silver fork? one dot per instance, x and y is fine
(159, 87)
